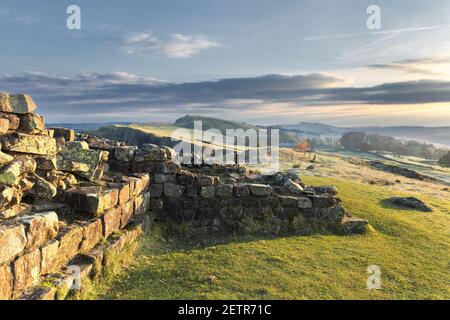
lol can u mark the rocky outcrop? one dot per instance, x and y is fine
(410, 203)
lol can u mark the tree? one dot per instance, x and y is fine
(445, 160)
(354, 141)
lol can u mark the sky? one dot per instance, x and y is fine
(258, 61)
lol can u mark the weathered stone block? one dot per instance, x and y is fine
(95, 159)
(354, 225)
(94, 200)
(323, 201)
(260, 190)
(14, 120)
(5, 158)
(304, 203)
(293, 187)
(27, 269)
(46, 163)
(124, 153)
(242, 190)
(32, 123)
(12, 240)
(156, 190)
(205, 181)
(172, 190)
(288, 201)
(92, 234)
(16, 103)
(127, 213)
(49, 253)
(13, 172)
(42, 189)
(6, 282)
(67, 134)
(32, 144)
(69, 243)
(111, 221)
(142, 183)
(142, 203)
(167, 167)
(15, 210)
(154, 153)
(191, 191)
(224, 190)
(207, 192)
(4, 126)
(40, 228)
(164, 178)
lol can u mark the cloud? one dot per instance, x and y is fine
(26, 20)
(422, 66)
(365, 34)
(177, 46)
(98, 97)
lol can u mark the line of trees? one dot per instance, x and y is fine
(360, 141)
(445, 160)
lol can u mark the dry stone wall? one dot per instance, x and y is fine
(71, 201)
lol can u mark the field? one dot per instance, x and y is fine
(411, 248)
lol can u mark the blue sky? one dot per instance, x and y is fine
(268, 61)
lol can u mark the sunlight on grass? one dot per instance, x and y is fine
(411, 248)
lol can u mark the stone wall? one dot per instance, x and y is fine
(231, 199)
(71, 201)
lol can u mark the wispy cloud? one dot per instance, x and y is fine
(177, 46)
(421, 66)
(362, 34)
(26, 20)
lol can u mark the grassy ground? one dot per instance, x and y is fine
(411, 248)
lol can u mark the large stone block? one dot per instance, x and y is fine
(125, 153)
(4, 126)
(241, 190)
(32, 123)
(142, 203)
(260, 190)
(5, 158)
(111, 221)
(127, 213)
(69, 243)
(224, 190)
(95, 159)
(15, 210)
(323, 201)
(14, 120)
(32, 144)
(93, 200)
(67, 134)
(27, 269)
(16, 103)
(50, 262)
(6, 282)
(207, 192)
(12, 240)
(40, 228)
(92, 234)
(172, 190)
(11, 174)
(154, 153)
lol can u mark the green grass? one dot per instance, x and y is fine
(412, 249)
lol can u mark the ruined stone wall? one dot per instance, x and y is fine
(59, 205)
(230, 199)
(68, 202)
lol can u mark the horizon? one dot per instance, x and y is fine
(301, 63)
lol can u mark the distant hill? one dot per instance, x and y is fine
(222, 125)
(85, 126)
(212, 123)
(435, 135)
